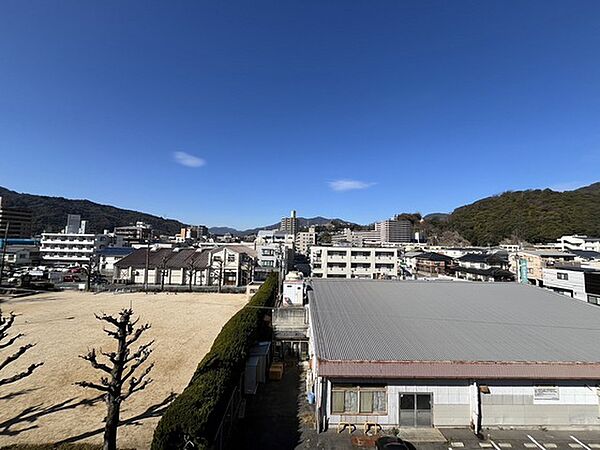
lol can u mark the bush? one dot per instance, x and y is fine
(197, 411)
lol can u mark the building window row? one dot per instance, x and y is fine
(357, 399)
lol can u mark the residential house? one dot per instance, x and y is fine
(483, 267)
(432, 264)
(582, 283)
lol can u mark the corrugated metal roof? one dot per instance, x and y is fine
(364, 320)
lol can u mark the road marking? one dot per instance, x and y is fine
(572, 445)
(550, 445)
(495, 445)
(529, 445)
(505, 444)
(594, 445)
(485, 444)
(457, 444)
(580, 443)
(536, 443)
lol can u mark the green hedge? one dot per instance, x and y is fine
(198, 410)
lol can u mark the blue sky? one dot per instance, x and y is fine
(233, 113)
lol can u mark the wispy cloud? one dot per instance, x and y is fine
(349, 185)
(185, 159)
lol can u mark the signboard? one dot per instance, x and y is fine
(545, 393)
(523, 272)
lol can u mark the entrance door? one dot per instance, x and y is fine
(415, 410)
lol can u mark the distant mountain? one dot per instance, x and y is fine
(50, 213)
(532, 215)
(302, 221)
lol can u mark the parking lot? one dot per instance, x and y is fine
(522, 439)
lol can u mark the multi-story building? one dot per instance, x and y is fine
(582, 283)
(134, 234)
(528, 264)
(191, 233)
(305, 240)
(289, 225)
(354, 262)
(577, 242)
(395, 230)
(73, 245)
(15, 223)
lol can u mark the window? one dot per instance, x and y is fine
(230, 258)
(562, 276)
(356, 399)
(594, 299)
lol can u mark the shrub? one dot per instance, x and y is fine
(198, 410)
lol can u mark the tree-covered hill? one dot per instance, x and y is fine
(533, 216)
(50, 213)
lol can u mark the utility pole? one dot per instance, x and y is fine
(3, 251)
(147, 264)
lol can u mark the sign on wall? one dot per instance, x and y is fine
(546, 393)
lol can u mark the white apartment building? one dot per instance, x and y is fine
(305, 240)
(579, 242)
(354, 262)
(73, 245)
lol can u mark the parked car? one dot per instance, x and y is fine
(391, 443)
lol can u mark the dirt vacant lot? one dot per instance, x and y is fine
(48, 407)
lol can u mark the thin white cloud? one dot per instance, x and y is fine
(567, 186)
(349, 185)
(185, 159)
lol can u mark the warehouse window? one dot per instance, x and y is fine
(356, 399)
(595, 299)
(562, 276)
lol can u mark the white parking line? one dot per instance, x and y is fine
(572, 445)
(536, 443)
(485, 445)
(580, 443)
(550, 445)
(457, 444)
(495, 445)
(505, 445)
(594, 445)
(529, 445)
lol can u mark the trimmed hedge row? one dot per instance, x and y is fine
(196, 413)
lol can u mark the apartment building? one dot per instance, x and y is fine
(289, 225)
(15, 223)
(582, 283)
(134, 234)
(354, 262)
(432, 264)
(73, 245)
(395, 230)
(305, 240)
(579, 242)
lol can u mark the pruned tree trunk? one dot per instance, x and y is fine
(120, 368)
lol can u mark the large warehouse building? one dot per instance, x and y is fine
(452, 354)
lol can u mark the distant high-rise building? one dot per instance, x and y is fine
(395, 230)
(134, 234)
(73, 224)
(289, 224)
(16, 220)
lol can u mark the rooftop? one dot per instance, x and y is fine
(451, 329)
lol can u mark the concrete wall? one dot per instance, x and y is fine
(507, 404)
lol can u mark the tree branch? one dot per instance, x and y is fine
(138, 384)
(93, 359)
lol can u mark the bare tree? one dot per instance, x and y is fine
(162, 270)
(193, 267)
(91, 269)
(119, 381)
(6, 322)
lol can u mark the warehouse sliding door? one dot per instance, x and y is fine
(415, 410)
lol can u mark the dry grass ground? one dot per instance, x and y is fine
(47, 407)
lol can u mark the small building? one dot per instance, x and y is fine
(20, 252)
(582, 283)
(528, 264)
(579, 242)
(109, 256)
(432, 264)
(451, 354)
(483, 267)
(15, 222)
